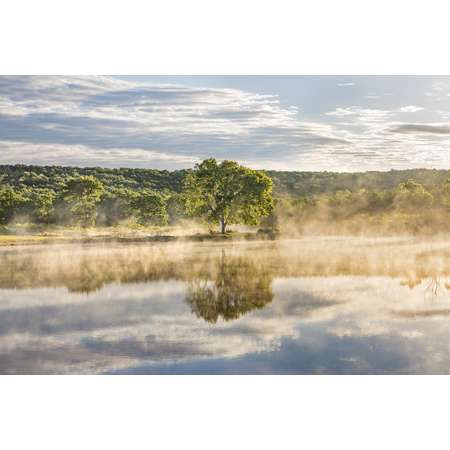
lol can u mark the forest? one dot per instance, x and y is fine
(413, 201)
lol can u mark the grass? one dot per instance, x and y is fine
(22, 234)
(7, 239)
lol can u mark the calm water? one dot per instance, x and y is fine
(322, 305)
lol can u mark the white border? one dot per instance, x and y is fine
(232, 37)
(224, 37)
(312, 412)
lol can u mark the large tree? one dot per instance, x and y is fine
(227, 193)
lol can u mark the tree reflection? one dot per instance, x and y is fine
(86, 278)
(219, 285)
(229, 288)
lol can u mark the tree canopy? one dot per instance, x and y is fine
(82, 194)
(227, 193)
(10, 201)
(229, 288)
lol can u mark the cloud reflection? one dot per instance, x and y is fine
(268, 310)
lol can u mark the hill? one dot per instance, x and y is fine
(292, 184)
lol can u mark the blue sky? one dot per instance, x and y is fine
(335, 123)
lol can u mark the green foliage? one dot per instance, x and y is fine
(115, 206)
(82, 194)
(228, 193)
(446, 194)
(175, 208)
(411, 196)
(10, 202)
(53, 177)
(41, 202)
(234, 287)
(305, 184)
(150, 208)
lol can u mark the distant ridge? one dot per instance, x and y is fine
(295, 183)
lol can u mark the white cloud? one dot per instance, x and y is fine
(341, 112)
(134, 323)
(77, 155)
(103, 115)
(422, 128)
(104, 121)
(411, 109)
(345, 84)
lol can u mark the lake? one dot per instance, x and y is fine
(322, 305)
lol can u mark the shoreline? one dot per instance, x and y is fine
(11, 240)
(15, 240)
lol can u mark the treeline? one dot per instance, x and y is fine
(406, 200)
(409, 207)
(84, 200)
(291, 184)
(307, 184)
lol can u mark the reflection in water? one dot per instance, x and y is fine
(236, 287)
(306, 306)
(89, 268)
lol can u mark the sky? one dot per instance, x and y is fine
(306, 123)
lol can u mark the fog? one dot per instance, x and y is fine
(88, 267)
(312, 305)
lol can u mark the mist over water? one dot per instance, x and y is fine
(312, 305)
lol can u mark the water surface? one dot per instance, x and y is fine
(316, 305)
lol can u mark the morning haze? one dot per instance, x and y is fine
(224, 225)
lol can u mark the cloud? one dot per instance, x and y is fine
(103, 121)
(77, 155)
(345, 84)
(381, 141)
(145, 325)
(419, 128)
(129, 321)
(361, 113)
(341, 112)
(411, 109)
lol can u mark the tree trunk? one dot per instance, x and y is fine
(223, 226)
